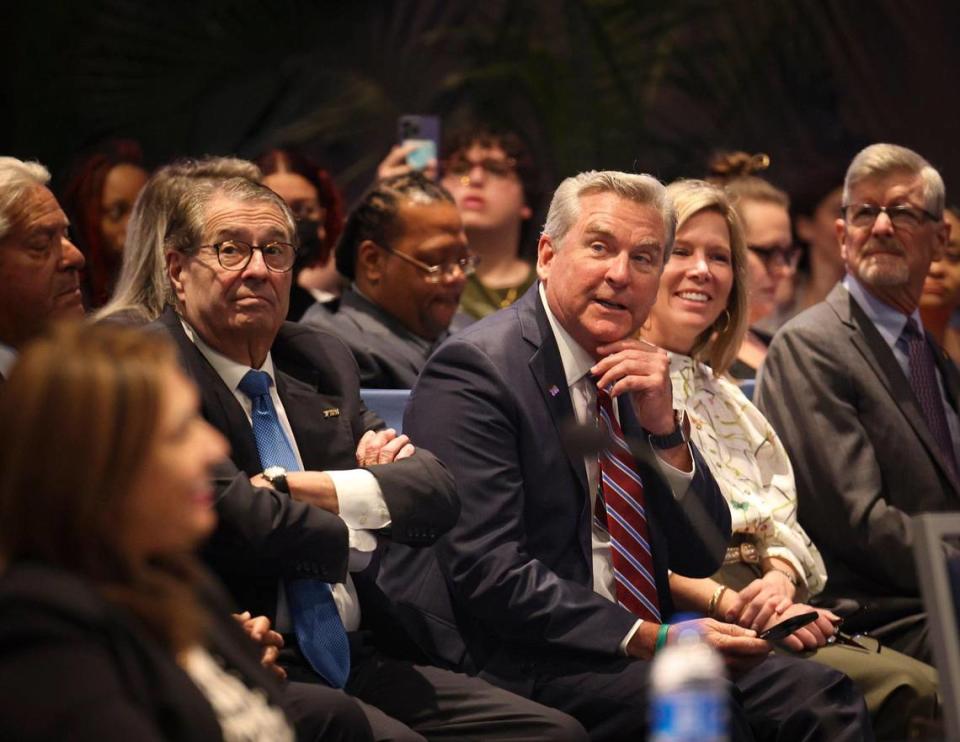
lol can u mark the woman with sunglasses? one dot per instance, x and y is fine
(772, 568)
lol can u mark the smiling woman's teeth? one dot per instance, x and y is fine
(694, 296)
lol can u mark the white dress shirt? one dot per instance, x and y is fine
(359, 497)
(583, 394)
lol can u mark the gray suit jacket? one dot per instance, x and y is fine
(388, 354)
(863, 455)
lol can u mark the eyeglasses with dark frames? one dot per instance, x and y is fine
(436, 273)
(777, 257)
(901, 216)
(499, 167)
(235, 255)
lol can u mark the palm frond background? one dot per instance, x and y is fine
(652, 85)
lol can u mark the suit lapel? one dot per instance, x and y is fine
(880, 359)
(220, 407)
(547, 369)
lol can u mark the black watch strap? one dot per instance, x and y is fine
(673, 438)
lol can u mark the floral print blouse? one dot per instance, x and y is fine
(750, 465)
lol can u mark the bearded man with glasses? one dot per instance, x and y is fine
(866, 403)
(405, 252)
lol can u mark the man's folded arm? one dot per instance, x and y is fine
(268, 532)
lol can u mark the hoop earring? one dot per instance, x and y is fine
(726, 322)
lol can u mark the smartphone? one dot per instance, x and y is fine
(424, 131)
(783, 629)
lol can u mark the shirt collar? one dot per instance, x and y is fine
(576, 361)
(8, 357)
(227, 369)
(888, 321)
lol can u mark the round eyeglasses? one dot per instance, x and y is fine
(235, 255)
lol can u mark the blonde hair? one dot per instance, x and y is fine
(717, 345)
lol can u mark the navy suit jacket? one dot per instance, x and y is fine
(514, 577)
(264, 535)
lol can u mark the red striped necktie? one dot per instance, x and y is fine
(621, 511)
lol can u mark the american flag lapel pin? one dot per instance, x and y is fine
(554, 390)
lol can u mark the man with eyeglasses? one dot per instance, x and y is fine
(314, 484)
(866, 403)
(405, 252)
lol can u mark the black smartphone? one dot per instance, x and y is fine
(422, 131)
(783, 629)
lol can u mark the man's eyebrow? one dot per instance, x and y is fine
(597, 230)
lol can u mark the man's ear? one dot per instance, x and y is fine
(840, 226)
(545, 256)
(369, 267)
(941, 239)
(175, 267)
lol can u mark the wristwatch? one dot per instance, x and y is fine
(277, 476)
(674, 437)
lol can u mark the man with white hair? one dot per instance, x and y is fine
(553, 583)
(866, 403)
(39, 265)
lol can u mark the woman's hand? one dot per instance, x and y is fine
(761, 600)
(811, 636)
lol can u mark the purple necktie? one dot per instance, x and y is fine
(923, 380)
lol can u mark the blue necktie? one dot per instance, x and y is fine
(318, 627)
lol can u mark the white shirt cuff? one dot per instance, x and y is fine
(629, 636)
(360, 499)
(678, 480)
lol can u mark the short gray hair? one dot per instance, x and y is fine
(643, 189)
(16, 178)
(143, 289)
(881, 159)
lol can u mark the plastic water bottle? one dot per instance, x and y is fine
(689, 701)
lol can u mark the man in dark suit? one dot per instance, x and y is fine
(865, 402)
(312, 486)
(39, 265)
(540, 587)
(404, 251)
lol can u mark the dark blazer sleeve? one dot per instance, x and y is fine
(463, 409)
(812, 401)
(268, 533)
(693, 526)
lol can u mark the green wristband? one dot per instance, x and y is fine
(661, 637)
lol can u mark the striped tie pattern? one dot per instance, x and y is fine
(621, 512)
(316, 622)
(923, 381)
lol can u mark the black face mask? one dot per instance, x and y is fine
(312, 250)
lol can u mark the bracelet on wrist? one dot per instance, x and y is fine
(715, 601)
(789, 575)
(661, 637)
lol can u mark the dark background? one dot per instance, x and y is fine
(651, 86)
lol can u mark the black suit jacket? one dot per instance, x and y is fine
(74, 667)
(863, 456)
(263, 534)
(515, 575)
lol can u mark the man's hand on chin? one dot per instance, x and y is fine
(641, 370)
